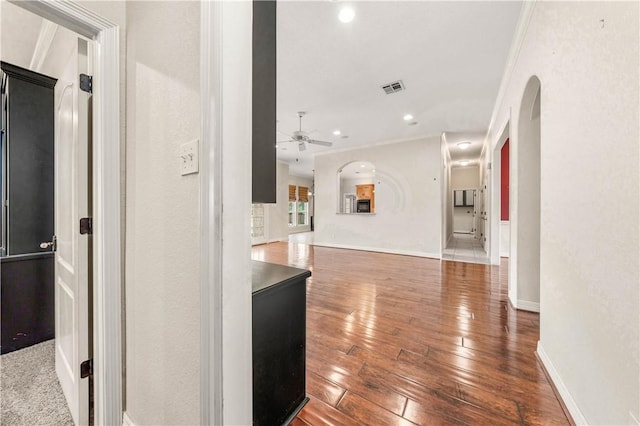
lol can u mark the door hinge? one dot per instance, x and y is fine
(86, 83)
(86, 368)
(86, 226)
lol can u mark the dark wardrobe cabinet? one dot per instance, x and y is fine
(27, 271)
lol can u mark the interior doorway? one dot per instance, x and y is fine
(46, 153)
(524, 274)
(105, 202)
(499, 233)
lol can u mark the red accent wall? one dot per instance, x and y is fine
(504, 181)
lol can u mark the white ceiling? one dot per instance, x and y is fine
(450, 56)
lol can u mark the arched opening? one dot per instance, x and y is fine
(524, 274)
(356, 188)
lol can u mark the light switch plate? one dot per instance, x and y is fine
(189, 158)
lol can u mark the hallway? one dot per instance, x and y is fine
(405, 340)
(465, 248)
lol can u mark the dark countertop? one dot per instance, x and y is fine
(268, 274)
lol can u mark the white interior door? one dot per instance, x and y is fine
(71, 204)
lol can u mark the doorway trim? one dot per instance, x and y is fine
(225, 244)
(496, 191)
(107, 281)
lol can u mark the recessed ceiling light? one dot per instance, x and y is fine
(346, 15)
(464, 145)
(407, 117)
(336, 132)
(276, 146)
(362, 165)
(464, 163)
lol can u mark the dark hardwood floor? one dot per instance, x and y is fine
(400, 340)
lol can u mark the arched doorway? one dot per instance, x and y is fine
(524, 274)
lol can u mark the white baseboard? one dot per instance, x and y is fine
(525, 305)
(379, 250)
(126, 420)
(568, 400)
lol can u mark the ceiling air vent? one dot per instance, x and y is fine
(393, 87)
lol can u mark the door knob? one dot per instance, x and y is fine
(49, 244)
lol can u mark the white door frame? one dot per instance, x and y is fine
(107, 364)
(225, 258)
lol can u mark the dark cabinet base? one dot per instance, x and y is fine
(279, 343)
(27, 300)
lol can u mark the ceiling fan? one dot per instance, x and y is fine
(301, 137)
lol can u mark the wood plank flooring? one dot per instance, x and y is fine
(400, 340)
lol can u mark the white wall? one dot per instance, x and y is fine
(447, 193)
(277, 213)
(162, 242)
(464, 178)
(408, 200)
(586, 57)
(300, 181)
(504, 238)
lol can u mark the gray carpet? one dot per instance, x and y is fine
(29, 389)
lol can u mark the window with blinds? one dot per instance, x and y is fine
(303, 194)
(292, 193)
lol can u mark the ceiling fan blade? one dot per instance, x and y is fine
(284, 134)
(323, 143)
(289, 140)
(302, 146)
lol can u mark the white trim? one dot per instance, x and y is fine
(226, 331)
(379, 250)
(568, 400)
(126, 420)
(525, 305)
(211, 214)
(107, 300)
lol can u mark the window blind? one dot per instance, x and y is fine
(303, 194)
(292, 193)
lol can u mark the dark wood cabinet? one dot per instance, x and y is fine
(279, 343)
(367, 192)
(264, 102)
